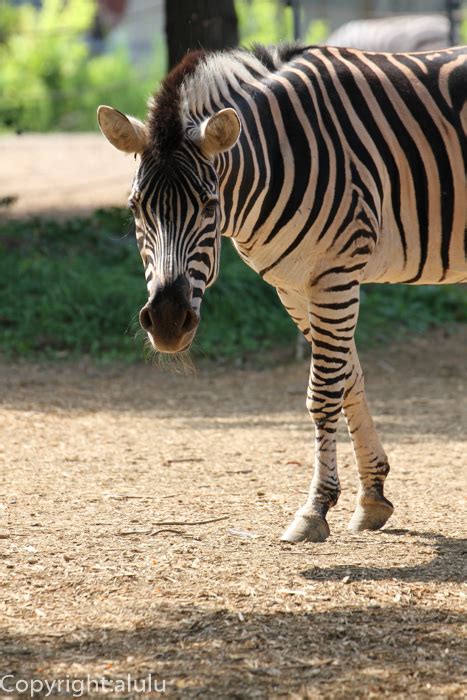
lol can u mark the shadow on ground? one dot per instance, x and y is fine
(402, 404)
(448, 563)
(219, 654)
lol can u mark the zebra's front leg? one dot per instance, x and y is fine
(332, 324)
(310, 520)
(373, 509)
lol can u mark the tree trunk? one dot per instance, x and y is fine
(199, 24)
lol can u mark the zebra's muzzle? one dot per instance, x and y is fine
(169, 318)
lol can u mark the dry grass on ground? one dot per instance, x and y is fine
(94, 462)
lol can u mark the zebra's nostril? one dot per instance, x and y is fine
(189, 322)
(186, 322)
(145, 319)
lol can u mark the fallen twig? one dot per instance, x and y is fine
(175, 532)
(123, 496)
(195, 522)
(153, 533)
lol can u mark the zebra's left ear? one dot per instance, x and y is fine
(220, 132)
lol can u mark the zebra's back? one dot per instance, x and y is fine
(401, 121)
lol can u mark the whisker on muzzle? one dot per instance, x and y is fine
(177, 363)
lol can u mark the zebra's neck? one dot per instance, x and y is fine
(252, 172)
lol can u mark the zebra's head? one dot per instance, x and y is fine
(175, 202)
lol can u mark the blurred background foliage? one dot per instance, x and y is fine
(51, 79)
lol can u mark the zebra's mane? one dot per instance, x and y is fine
(199, 80)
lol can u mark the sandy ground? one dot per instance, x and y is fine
(62, 173)
(105, 471)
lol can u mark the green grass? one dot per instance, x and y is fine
(74, 288)
(388, 311)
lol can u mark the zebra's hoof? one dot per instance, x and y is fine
(371, 516)
(309, 528)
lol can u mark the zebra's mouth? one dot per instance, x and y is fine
(169, 318)
(174, 345)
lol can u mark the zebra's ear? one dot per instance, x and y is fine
(220, 132)
(125, 133)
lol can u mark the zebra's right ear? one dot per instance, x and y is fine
(220, 132)
(125, 133)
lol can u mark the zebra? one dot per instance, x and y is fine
(393, 34)
(328, 168)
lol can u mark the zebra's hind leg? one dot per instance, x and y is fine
(373, 509)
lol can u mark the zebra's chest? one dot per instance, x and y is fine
(291, 271)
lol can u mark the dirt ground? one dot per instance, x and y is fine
(62, 174)
(106, 471)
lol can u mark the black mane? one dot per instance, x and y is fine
(164, 119)
(164, 122)
(286, 52)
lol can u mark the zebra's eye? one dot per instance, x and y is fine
(210, 207)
